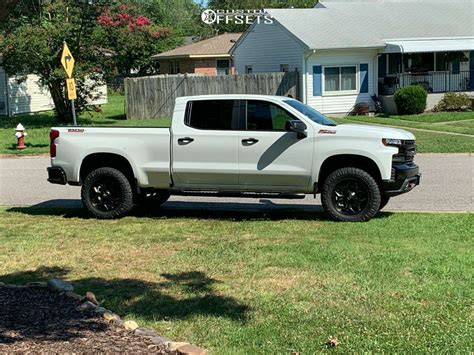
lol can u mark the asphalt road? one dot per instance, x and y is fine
(447, 184)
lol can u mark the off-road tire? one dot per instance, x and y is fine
(123, 203)
(363, 179)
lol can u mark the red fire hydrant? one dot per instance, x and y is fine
(20, 136)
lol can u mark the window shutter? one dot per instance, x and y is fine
(456, 67)
(317, 80)
(364, 78)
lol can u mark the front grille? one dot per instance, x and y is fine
(406, 152)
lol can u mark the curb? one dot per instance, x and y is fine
(89, 302)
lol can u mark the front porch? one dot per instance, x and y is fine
(438, 72)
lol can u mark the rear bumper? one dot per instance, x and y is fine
(56, 175)
(404, 178)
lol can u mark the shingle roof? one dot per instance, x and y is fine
(215, 46)
(352, 24)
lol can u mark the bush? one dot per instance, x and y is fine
(411, 100)
(453, 101)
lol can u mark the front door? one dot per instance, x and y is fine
(271, 158)
(205, 145)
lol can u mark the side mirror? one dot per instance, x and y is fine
(298, 127)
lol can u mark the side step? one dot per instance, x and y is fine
(288, 196)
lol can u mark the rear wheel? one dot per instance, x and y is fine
(350, 195)
(107, 193)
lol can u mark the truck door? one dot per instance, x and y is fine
(205, 145)
(271, 158)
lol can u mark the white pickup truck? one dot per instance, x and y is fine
(237, 145)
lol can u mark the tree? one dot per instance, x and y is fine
(6, 6)
(251, 5)
(34, 33)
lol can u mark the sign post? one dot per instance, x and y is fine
(67, 60)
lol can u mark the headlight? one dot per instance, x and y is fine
(392, 142)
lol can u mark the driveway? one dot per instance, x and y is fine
(447, 184)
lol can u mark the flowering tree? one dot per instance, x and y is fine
(134, 38)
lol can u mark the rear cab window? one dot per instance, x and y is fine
(221, 115)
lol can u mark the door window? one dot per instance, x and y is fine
(265, 116)
(213, 114)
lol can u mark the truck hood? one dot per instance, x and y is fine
(373, 131)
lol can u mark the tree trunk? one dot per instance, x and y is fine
(62, 106)
(6, 6)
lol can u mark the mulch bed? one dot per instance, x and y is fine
(40, 320)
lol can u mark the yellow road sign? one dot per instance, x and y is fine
(71, 89)
(67, 60)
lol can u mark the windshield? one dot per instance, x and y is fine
(310, 112)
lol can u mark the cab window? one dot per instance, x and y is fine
(213, 114)
(265, 116)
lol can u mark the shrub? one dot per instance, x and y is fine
(453, 101)
(411, 100)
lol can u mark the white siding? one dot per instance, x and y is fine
(28, 96)
(331, 103)
(267, 46)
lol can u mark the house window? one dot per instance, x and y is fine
(223, 66)
(340, 78)
(248, 69)
(284, 68)
(174, 67)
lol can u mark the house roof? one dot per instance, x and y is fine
(218, 46)
(372, 23)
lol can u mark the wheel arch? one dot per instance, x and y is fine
(338, 161)
(111, 160)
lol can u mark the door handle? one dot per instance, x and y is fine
(249, 141)
(185, 140)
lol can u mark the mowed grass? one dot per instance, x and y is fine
(272, 282)
(38, 125)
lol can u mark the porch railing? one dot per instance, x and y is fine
(434, 82)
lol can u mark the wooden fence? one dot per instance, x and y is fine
(154, 96)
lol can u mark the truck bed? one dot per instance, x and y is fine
(146, 148)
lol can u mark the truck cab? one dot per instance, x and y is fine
(244, 145)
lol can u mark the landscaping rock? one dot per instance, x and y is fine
(2, 284)
(130, 325)
(142, 332)
(99, 310)
(86, 306)
(110, 316)
(191, 350)
(174, 345)
(74, 296)
(159, 340)
(91, 297)
(60, 285)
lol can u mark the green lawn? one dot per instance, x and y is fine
(277, 282)
(443, 121)
(38, 126)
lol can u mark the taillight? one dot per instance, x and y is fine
(52, 147)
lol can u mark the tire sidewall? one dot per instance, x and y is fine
(126, 201)
(374, 196)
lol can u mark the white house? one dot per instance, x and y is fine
(347, 51)
(28, 96)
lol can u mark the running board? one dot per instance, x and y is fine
(289, 196)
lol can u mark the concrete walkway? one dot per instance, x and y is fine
(447, 184)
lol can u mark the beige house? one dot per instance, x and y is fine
(209, 57)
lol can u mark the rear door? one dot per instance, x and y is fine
(205, 145)
(271, 158)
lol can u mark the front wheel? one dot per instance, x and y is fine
(107, 193)
(350, 195)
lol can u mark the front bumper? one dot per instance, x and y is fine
(56, 175)
(404, 178)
